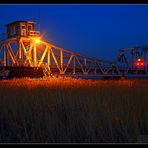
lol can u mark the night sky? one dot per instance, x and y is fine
(95, 30)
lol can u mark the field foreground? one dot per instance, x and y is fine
(73, 111)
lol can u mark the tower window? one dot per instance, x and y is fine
(23, 27)
(29, 27)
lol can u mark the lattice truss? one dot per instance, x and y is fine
(128, 57)
(23, 51)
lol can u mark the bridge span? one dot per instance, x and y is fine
(23, 53)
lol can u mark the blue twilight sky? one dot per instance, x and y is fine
(91, 29)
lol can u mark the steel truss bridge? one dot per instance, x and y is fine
(30, 56)
(19, 53)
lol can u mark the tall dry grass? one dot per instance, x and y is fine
(73, 111)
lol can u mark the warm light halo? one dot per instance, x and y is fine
(36, 40)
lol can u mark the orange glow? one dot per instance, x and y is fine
(139, 60)
(37, 40)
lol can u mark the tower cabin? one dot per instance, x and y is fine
(21, 29)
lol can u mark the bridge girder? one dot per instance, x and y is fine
(24, 51)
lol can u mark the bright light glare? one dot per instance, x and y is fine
(37, 40)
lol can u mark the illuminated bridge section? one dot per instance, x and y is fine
(133, 60)
(34, 52)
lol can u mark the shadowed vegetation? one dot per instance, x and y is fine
(73, 110)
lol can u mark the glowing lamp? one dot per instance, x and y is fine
(140, 63)
(37, 40)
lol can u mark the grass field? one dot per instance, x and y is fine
(73, 111)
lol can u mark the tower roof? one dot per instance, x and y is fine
(20, 21)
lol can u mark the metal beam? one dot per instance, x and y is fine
(70, 59)
(43, 56)
(55, 60)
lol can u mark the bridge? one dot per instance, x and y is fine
(133, 60)
(23, 53)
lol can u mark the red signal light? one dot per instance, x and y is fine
(139, 62)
